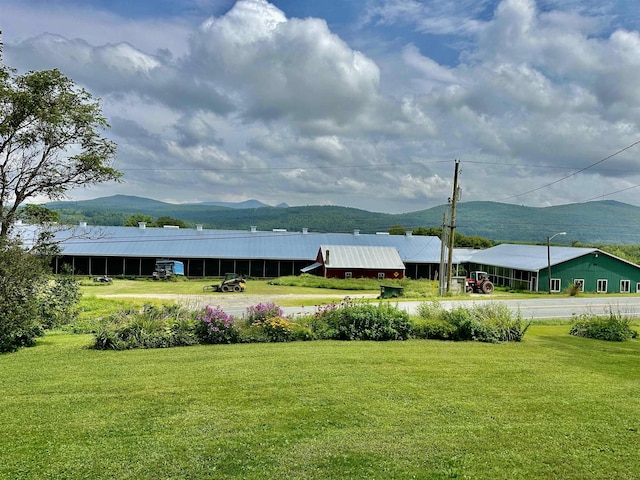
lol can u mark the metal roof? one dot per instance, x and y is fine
(530, 258)
(350, 256)
(232, 244)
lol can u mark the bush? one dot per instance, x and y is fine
(22, 278)
(264, 322)
(361, 321)
(433, 329)
(153, 327)
(493, 323)
(275, 329)
(213, 325)
(613, 327)
(59, 302)
(261, 312)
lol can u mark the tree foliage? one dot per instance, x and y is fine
(49, 140)
(164, 220)
(22, 277)
(137, 218)
(466, 241)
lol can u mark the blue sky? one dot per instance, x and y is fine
(362, 103)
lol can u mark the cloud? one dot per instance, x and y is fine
(256, 103)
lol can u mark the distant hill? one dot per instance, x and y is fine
(245, 204)
(593, 223)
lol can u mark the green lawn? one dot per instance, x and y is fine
(553, 406)
(194, 287)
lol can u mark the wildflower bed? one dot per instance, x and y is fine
(171, 325)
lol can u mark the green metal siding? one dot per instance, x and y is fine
(593, 267)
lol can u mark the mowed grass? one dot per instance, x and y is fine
(195, 287)
(553, 406)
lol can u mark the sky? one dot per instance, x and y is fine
(357, 103)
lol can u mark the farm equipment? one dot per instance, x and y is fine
(103, 279)
(479, 283)
(165, 269)
(232, 282)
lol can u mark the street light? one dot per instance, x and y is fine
(549, 256)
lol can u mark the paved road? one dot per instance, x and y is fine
(537, 308)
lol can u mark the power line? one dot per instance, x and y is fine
(263, 169)
(611, 193)
(575, 173)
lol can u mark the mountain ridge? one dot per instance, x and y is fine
(596, 222)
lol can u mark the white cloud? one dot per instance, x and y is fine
(253, 102)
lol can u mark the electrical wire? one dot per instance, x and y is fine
(575, 173)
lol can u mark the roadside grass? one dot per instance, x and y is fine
(552, 406)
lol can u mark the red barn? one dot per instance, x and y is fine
(348, 261)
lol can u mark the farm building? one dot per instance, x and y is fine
(525, 267)
(350, 261)
(133, 251)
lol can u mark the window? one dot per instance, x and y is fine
(602, 285)
(380, 275)
(555, 284)
(347, 274)
(579, 283)
(625, 286)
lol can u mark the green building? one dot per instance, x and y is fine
(526, 267)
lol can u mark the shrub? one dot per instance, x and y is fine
(433, 329)
(498, 323)
(261, 312)
(276, 329)
(153, 327)
(493, 323)
(361, 321)
(612, 327)
(213, 325)
(22, 277)
(59, 301)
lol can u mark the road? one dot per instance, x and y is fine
(537, 308)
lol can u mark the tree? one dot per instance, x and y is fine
(49, 140)
(397, 230)
(162, 221)
(137, 218)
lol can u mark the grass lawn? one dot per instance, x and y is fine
(194, 287)
(553, 406)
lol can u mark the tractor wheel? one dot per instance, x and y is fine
(237, 288)
(225, 288)
(487, 287)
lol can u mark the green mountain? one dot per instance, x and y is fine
(593, 223)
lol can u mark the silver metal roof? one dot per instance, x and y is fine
(233, 244)
(351, 256)
(530, 258)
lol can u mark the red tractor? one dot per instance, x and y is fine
(479, 283)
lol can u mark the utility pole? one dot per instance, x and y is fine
(452, 225)
(443, 243)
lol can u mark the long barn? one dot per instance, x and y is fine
(133, 251)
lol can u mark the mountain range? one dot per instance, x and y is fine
(593, 223)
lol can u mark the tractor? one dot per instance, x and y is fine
(232, 283)
(479, 283)
(165, 269)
